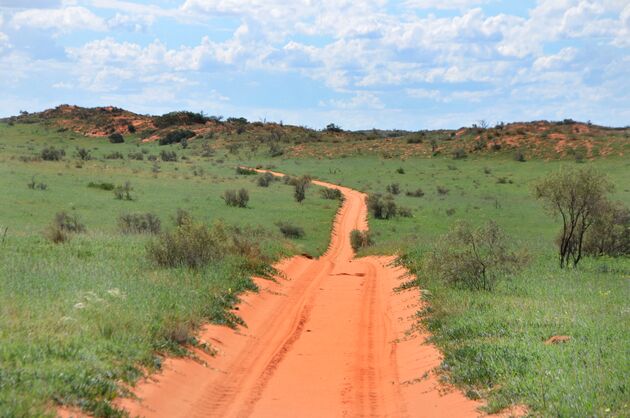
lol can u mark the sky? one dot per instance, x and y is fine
(408, 64)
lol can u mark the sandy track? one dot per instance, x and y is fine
(330, 339)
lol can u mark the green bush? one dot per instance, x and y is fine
(101, 185)
(139, 223)
(415, 193)
(459, 154)
(235, 198)
(332, 194)
(360, 239)
(123, 192)
(136, 156)
(168, 156)
(265, 179)
(176, 136)
(382, 207)
(245, 171)
(83, 154)
(116, 138)
(290, 231)
(473, 258)
(115, 156)
(52, 154)
(393, 188)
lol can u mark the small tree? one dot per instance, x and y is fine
(473, 258)
(300, 189)
(610, 233)
(116, 138)
(576, 196)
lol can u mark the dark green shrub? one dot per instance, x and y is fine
(245, 171)
(101, 185)
(83, 154)
(52, 154)
(139, 223)
(115, 156)
(610, 232)
(519, 156)
(360, 239)
(181, 217)
(405, 212)
(393, 188)
(116, 138)
(332, 194)
(299, 192)
(191, 245)
(473, 258)
(415, 193)
(235, 198)
(275, 150)
(176, 136)
(441, 190)
(290, 231)
(265, 179)
(168, 156)
(400, 170)
(382, 207)
(35, 185)
(123, 192)
(179, 118)
(459, 154)
(139, 156)
(62, 226)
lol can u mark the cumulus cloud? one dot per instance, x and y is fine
(63, 20)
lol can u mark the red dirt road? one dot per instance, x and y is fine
(330, 339)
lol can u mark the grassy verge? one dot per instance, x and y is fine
(493, 342)
(80, 320)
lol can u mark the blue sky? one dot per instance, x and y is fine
(409, 64)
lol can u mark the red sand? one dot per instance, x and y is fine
(330, 339)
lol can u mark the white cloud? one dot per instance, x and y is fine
(549, 62)
(62, 20)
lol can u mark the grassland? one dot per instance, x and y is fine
(493, 342)
(81, 319)
(78, 318)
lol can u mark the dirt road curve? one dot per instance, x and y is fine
(331, 339)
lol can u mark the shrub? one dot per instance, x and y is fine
(405, 212)
(610, 232)
(382, 207)
(519, 156)
(191, 245)
(34, 185)
(123, 192)
(245, 171)
(62, 226)
(360, 239)
(393, 188)
(176, 136)
(181, 217)
(168, 156)
(52, 154)
(578, 196)
(265, 179)
(101, 185)
(472, 258)
(441, 190)
(299, 192)
(139, 223)
(400, 170)
(290, 231)
(275, 150)
(179, 118)
(332, 194)
(236, 198)
(415, 193)
(83, 154)
(459, 154)
(115, 156)
(116, 138)
(136, 156)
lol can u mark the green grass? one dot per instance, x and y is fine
(77, 319)
(493, 342)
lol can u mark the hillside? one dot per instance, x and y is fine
(524, 140)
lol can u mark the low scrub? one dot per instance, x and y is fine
(116, 138)
(123, 192)
(62, 226)
(393, 188)
(101, 186)
(52, 154)
(382, 207)
(168, 156)
(245, 171)
(236, 198)
(415, 193)
(116, 155)
(176, 136)
(331, 194)
(473, 258)
(291, 231)
(139, 223)
(265, 179)
(360, 239)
